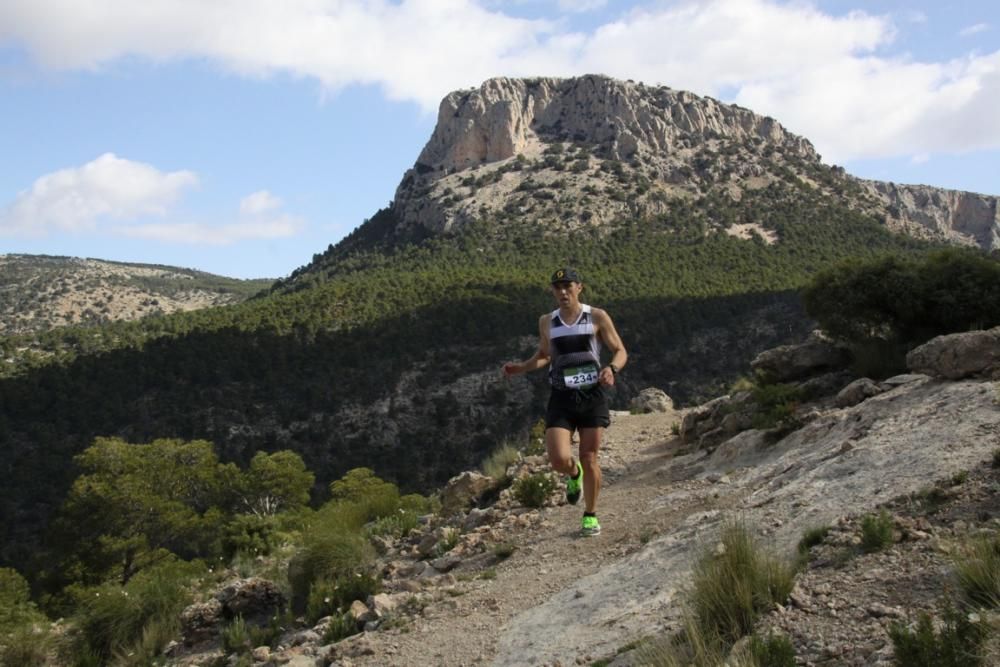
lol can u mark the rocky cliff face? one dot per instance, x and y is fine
(964, 218)
(592, 150)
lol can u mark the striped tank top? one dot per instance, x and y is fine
(574, 352)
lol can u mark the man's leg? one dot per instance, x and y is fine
(590, 443)
(557, 444)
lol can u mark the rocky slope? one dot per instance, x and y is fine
(591, 151)
(39, 292)
(920, 447)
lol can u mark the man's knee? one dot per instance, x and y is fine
(588, 458)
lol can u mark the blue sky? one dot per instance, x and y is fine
(242, 136)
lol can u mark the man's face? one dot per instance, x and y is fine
(566, 293)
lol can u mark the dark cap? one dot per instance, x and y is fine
(566, 275)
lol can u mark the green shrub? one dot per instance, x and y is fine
(346, 555)
(906, 300)
(250, 534)
(329, 597)
(496, 464)
(977, 567)
(25, 646)
(17, 611)
(418, 504)
(733, 588)
(341, 626)
(395, 525)
(959, 478)
(996, 458)
(812, 537)
(536, 439)
(236, 637)
(876, 531)
(957, 644)
(504, 550)
(370, 495)
(772, 651)
(776, 404)
(534, 490)
(114, 619)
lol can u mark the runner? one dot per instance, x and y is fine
(569, 343)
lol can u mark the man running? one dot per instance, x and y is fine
(569, 341)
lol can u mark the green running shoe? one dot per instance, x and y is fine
(590, 527)
(574, 486)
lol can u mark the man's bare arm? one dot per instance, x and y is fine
(538, 360)
(609, 336)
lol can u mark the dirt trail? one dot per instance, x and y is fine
(464, 628)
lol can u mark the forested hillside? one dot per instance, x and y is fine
(388, 356)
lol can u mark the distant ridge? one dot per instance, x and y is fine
(42, 292)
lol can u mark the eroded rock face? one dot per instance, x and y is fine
(959, 355)
(499, 119)
(479, 160)
(966, 218)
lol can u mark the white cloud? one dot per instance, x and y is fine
(831, 78)
(581, 5)
(259, 202)
(202, 234)
(86, 198)
(974, 29)
(259, 219)
(77, 198)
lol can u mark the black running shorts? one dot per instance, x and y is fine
(573, 409)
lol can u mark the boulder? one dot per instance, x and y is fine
(256, 600)
(200, 621)
(825, 385)
(959, 355)
(463, 490)
(856, 392)
(651, 399)
(794, 362)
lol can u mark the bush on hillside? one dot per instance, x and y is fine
(876, 531)
(977, 567)
(534, 490)
(735, 584)
(957, 643)
(903, 300)
(140, 617)
(334, 545)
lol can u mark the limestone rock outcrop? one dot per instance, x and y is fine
(794, 362)
(592, 150)
(958, 355)
(463, 490)
(964, 218)
(651, 399)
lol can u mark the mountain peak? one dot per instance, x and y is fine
(584, 151)
(592, 151)
(623, 119)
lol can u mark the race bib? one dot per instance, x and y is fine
(580, 377)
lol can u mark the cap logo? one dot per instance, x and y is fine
(560, 273)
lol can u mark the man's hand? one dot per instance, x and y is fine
(511, 368)
(606, 377)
